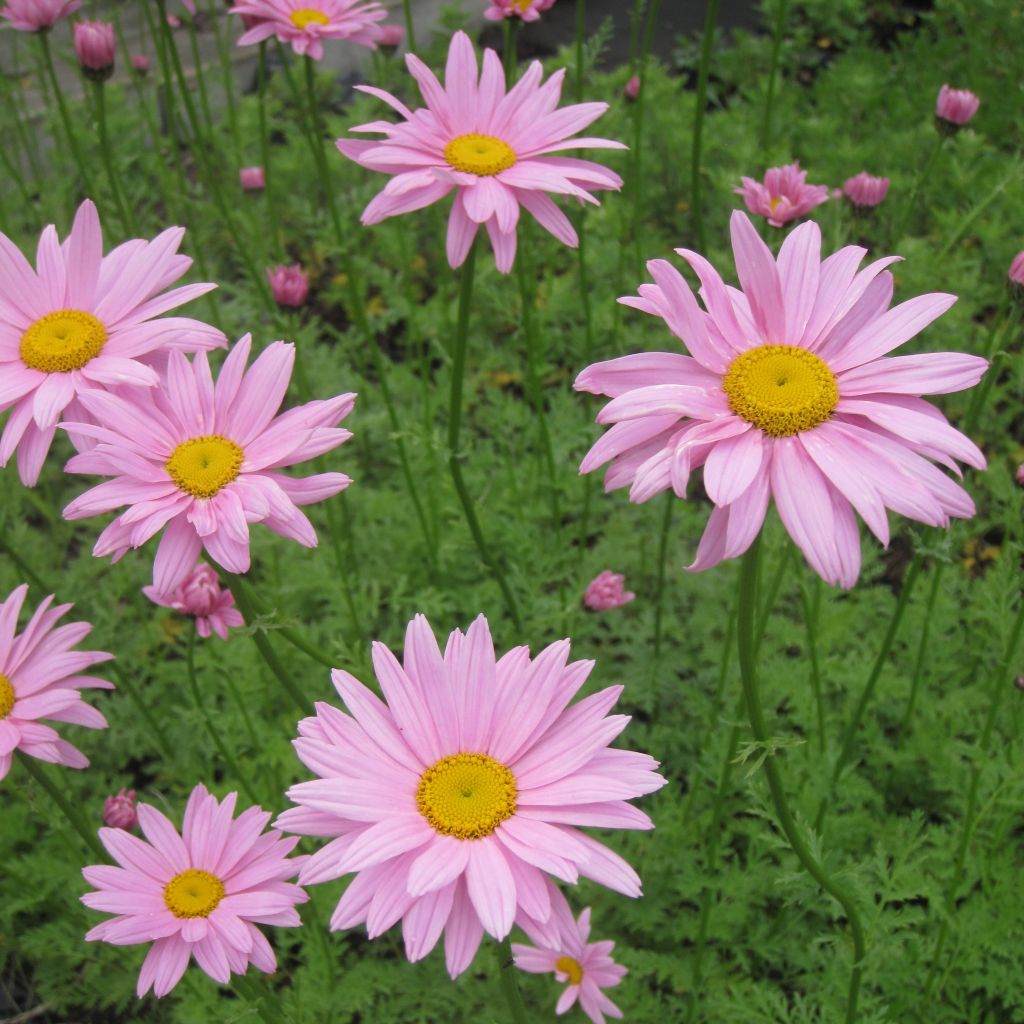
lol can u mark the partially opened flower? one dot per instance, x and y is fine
(498, 151)
(289, 284)
(83, 320)
(199, 894)
(40, 678)
(119, 810)
(1015, 277)
(200, 595)
(451, 801)
(607, 590)
(865, 190)
(202, 460)
(37, 15)
(956, 106)
(525, 10)
(784, 196)
(788, 392)
(306, 23)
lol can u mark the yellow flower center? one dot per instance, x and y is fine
(204, 465)
(466, 795)
(571, 968)
(308, 16)
(7, 696)
(773, 203)
(479, 154)
(193, 893)
(522, 6)
(781, 389)
(62, 341)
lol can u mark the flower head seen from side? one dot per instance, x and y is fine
(305, 24)
(119, 810)
(203, 459)
(788, 392)
(82, 320)
(497, 150)
(1015, 278)
(289, 285)
(200, 595)
(199, 894)
(784, 195)
(41, 677)
(865, 190)
(37, 15)
(453, 801)
(525, 10)
(95, 48)
(956, 107)
(607, 590)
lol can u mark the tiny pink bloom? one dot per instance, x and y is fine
(494, 149)
(83, 320)
(200, 596)
(252, 179)
(198, 894)
(784, 196)
(525, 10)
(94, 47)
(632, 88)
(1016, 273)
(40, 676)
(140, 62)
(865, 189)
(37, 15)
(391, 35)
(957, 106)
(203, 459)
(452, 801)
(290, 285)
(606, 591)
(584, 967)
(1019, 477)
(119, 811)
(174, 21)
(788, 392)
(306, 23)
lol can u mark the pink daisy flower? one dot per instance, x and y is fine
(83, 320)
(306, 23)
(40, 677)
(199, 894)
(451, 801)
(956, 106)
(37, 15)
(525, 10)
(607, 590)
(788, 392)
(200, 596)
(495, 149)
(784, 196)
(584, 967)
(865, 189)
(203, 459)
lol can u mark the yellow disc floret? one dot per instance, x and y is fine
(305, 16)
(7, 696)
(204, 465)
(466, 795)
(479, 154)
(193, 893)
(62, 341)
(570, 968)
(781, 389)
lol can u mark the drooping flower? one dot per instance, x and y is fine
(499, 151)
(204, 460)
(83, 320)
(784, 196)
(94, 48)
(865, 189)
(119, 810)
(956, 106)
(451, 801)
(37, 15)
(40, 678)
(788, 392)
(199, 894)
(306, 23)
(585, 968)
(607, 590)
(525, 10)
(289, 285)
(201, 596)
(252, 179)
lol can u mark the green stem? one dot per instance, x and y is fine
(228, 82)
(127, 220)
(126, 683)
(979, 396)
(953, 238)
(911, 204)
(703, 73)
(509, 50)
(922, 652)
(638, 125)
(509, 986)
(410, 34)
(812, 616)
(269, 190)
(581, 31)
(197, 61)
(780, 24)
(659, 586)
(71, 812)
(745, 623)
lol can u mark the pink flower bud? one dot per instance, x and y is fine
(94, 47)
(632, 89)
(1016, 274)
(119, 810)
(956, 106)
(865, 189)
(290, 285)
(252, 179)
(606, 591)
(174, 21)
(37, 15)
(201, 596)
(391, 36)
(1019, 477)
(140, 62)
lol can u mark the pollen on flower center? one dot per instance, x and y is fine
(193, 893)
(7, 696)
(62, 341)
(479, 154)
(203, 465)
(466, 795)
(305, 16)
(570, 968)
(781, 389)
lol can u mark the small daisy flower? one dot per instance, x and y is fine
(83, 320)
(784, 196)
(306, 23)
(201, 460)
(525, 10)
(788, 392)
(498, 151)
(201, 596)
(198, 894)
(453, 801)
(37, 15)
(40, 677)
(865, 190)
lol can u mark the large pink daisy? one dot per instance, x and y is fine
(306, 23)
(40, 677)
(203, 459)
(497, 150)
(452, 800)
(788, 392)
(83, 320)
(199, 894)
